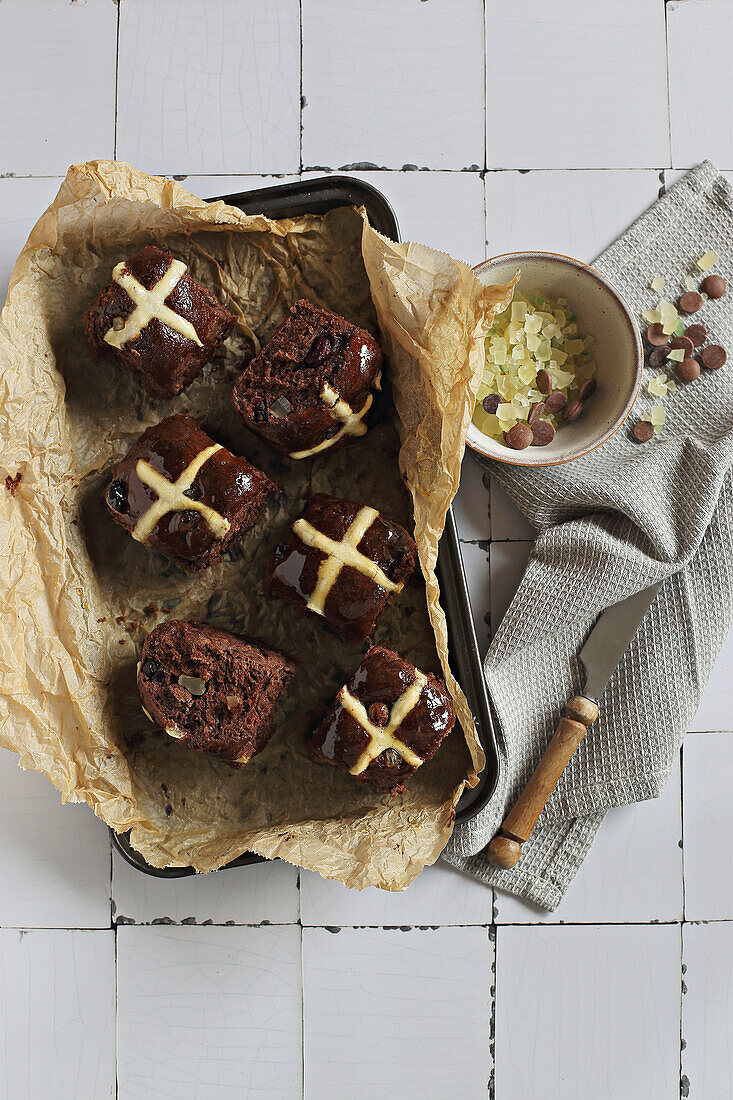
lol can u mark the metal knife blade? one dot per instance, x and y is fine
(609, 638)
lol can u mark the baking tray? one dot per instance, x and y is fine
(317, 196)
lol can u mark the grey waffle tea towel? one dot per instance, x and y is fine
(609, 524)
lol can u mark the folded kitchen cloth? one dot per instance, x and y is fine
(611, 523)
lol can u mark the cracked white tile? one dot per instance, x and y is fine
(402, 1013)
(700, 82)
(707, 1010)
(241, 895)
(55, 866)
(439, 896)
(576, 86)
(209, 89)
(389, 84)
(57, 1015)
(57, 84)
(708, 822)
(209, 1012)
(588, 1011)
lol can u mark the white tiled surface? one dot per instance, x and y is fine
(576, 86)
(707, 822)
(388, 86)
(586, 1001)
(209, 1012)
(422, 990)
(591, 1011)
(55, 863)
(438, 897)
(262, 893)
(707, 1009)
(699, 33)
(207, 87)
(57, 84)
(57, 1015)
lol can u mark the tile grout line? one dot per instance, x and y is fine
(302, 1011)
(376, 169)
(485, 78)
(117, 77)
(492, 931)
(668, 84)
(682, 826)
(302, 93)
(117, 1015)
(682, 993)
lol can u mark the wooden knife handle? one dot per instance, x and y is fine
(506, 848)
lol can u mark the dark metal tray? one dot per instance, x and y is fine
(317, 196)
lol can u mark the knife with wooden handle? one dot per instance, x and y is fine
(601, 654)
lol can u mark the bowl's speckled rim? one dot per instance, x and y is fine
(506, 257)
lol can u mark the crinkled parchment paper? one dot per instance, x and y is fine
(78, 595)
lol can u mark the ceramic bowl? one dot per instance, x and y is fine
(602, 313)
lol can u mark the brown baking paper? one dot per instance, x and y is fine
(79, 596)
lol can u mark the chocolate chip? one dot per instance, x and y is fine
(188, 516)
(193, 492)
(573, 411)
(544, 381)
(657, 357)
(713, 286)
(118, 323)
(643, 431)
(683, 342)
(318, 352)
(688, 370)
(117, 496)
(555, 402)
(519, 437)
(536, 412)
(491, 402)
(542, 433)
(281, 550)
(714, 356)
(656, 335)
(259, 411)
(697, 333)
(690, 301)
(587, 389)
(378, 714)
(152, 670)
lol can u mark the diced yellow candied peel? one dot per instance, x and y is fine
(668, 317)
(658, 386)
(657, 283)
(690, 282)
(707, 261)
(677, 355)
(655, 416)
(537, 334)
(652, 316)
